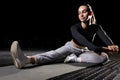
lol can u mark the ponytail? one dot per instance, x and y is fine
(92, 19)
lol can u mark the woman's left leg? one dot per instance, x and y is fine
(92, 57)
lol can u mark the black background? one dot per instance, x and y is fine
(46, 24)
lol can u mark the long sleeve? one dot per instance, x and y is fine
(81, 39)
(103, 36)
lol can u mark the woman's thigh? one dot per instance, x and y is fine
(92, 57)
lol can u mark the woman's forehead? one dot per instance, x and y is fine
(83, 7)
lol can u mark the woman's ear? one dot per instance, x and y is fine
(90, 13)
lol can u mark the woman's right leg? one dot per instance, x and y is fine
(18, 57)
(59, 54)
(20, 60)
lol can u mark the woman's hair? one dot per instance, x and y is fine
(92, 19)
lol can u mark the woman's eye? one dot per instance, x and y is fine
(84, 11)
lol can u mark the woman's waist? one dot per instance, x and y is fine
(76, 45)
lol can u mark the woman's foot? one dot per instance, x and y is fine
(71, 58)
(105, 55)
(20, 60)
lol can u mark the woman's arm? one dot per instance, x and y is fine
(81, 40)
(111, 47)
(103, 36)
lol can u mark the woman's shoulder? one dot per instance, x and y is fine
(96, 25)
(76, 24)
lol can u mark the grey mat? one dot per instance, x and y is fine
(43, 72)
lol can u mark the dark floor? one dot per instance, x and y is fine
(43, 72)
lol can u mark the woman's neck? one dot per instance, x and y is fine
(84, 25)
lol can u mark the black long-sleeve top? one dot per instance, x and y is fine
(85, 37)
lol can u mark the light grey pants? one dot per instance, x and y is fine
(61, 53)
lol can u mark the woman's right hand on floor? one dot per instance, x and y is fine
(111, 49)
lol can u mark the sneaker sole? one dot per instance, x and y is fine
(13, 51)
(67, 59)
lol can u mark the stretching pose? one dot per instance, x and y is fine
(79, 49)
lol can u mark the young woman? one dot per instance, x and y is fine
(79, 49)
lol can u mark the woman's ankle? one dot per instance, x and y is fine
(32, 59)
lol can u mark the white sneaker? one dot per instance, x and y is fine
(70, 58)
(19, 58)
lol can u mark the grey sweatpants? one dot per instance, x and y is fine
(61, 53)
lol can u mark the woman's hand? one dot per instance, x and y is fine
(111, 49)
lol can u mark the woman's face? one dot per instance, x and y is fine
(83, 13)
